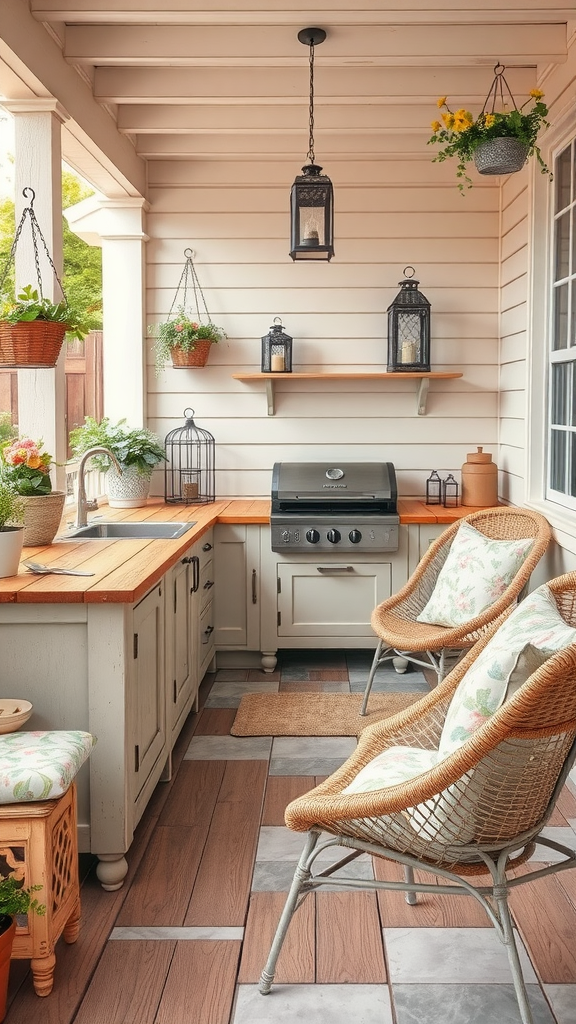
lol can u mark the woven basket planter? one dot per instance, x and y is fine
(197, 357)
(500, 156)
(33, 343)
(42, 516)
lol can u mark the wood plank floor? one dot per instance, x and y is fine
(192, 926)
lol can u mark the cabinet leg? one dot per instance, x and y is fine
(43, 974)
(112, 870)
(72, 926)
(268, 660)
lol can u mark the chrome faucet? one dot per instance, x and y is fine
(85, 504)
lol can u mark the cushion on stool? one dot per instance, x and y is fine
(40, 765)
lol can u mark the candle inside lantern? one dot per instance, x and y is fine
(409, 351)
(277, 364)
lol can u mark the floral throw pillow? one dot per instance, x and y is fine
(394, 766)
(536, 622)
(474, 575)
(41, 765)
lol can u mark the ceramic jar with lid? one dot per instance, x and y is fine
(479, 480)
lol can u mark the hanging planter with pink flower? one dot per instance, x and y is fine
(183, 337)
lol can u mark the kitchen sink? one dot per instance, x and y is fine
(141, 531)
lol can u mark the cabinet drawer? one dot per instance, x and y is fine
(206, 545)
(206, 582)
(206, 649)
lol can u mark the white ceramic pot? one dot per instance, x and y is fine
(11, 541)
(129, 489)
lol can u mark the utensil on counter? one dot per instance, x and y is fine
(44, 570)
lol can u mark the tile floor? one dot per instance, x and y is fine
(185, 940)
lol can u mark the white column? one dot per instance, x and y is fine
(121, 228)
(38, 165)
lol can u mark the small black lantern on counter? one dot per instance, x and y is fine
(276, 349)
(409, 328)
(433, 489)
(189, 476)
(450, 492)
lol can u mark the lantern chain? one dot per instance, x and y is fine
(310, 155)
(36, 234)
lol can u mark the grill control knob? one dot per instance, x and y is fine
(355, 536)
(333, 536)
(312, 536)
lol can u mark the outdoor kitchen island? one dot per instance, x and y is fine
(121, 653)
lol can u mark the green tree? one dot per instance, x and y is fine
(82, 278)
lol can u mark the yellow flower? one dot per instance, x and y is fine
(436, 126)
(448, 120)
(489, 120)
(34, 462)
(441, 102)
(536, 94)
(464, 117)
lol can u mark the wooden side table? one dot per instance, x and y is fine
(38, 843)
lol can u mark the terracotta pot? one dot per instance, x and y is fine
(42, 516)
(7, 932)
(198, 356)
(500, 156)
(32, 343)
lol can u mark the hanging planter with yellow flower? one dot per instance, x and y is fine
(498, 141)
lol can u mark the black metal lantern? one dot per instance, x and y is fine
(433, 489)
(409, 328)
(189, 476)
(449, 492)
(312, 195)
(276, 349)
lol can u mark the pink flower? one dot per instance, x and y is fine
(178, 327)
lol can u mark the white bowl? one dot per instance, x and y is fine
(13, 713)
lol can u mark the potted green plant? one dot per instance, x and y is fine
(26, 467)
(14, 900)
(137, 449)
(184, 340)
(11, 529)
(32, 328)
(499, 142)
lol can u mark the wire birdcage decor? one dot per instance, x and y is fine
(189, 475)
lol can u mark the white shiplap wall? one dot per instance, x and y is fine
(389, 214)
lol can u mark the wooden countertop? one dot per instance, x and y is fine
(124, 570)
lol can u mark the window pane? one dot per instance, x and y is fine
(571, 402)
(562, 248)
(560, 326)
(562, 178)
(559, 393)
(572, 471)
(557, 459)
(572, 340)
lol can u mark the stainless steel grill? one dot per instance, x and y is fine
(326, 507)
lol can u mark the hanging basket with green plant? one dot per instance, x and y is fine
(499, 141)
(32, 327)
(183, 337)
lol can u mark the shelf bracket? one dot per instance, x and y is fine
(270, 397)
(422, 396)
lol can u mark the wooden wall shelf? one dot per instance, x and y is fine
(422, 381)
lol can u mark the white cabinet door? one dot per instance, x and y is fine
(181, 639)
(148, 693)
(321, 599)
(236, 601)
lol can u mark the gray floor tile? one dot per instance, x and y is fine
(228, 748)
(314, 1004)
(412, 682)
(279, 843)
(180, 934)
(560, 834)
(277, 877)
(231, 675)
(444, 956)
(466, 1004)
(563, 1000)
(306, 766)
(229, 693)
(314, 746)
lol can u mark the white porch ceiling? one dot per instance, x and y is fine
(228, 79)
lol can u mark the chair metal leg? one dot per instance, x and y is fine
(507, 936)
(302, 874)
(410, 897)
(374, 666)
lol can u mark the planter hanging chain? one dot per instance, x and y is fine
(189, 280)
(36, 234)
(496, 90)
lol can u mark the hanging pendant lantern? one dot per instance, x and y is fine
(189, 476)
(409, 328)
(276, 349)
(312, 195)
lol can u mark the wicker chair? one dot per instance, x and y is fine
(500, 785)
(394, 620)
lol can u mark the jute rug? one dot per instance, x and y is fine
(314, 714)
